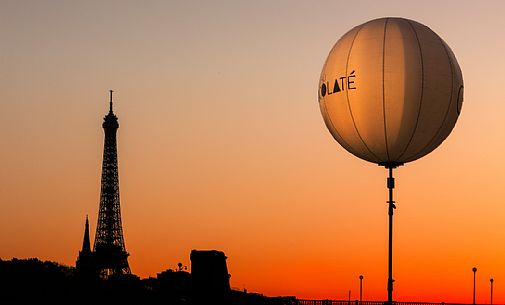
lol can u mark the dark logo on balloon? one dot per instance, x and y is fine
(340, 84)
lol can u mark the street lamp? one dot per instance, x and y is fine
(361, 287)
(491, 280)
(474, 269)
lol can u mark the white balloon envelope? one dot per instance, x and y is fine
(390, 91)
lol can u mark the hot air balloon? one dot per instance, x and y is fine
(390, 92)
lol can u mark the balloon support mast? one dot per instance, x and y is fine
(391, 185)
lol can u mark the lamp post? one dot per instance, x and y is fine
(361, 288)
(474, 269)
(491, 300)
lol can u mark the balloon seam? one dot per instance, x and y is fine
(333, 126)
(347, 96)
(422, 91)
(449, 105)
(384, 90)
(347, 145)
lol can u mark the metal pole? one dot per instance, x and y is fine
(391, 186)
(474, 271)
(491, 300)
(361, 288)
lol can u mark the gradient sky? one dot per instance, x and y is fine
(222, 145)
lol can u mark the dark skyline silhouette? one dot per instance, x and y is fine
(32, 281)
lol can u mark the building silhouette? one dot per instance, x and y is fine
(209, 275)
(109, 257)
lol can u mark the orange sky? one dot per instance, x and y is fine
(222, 146)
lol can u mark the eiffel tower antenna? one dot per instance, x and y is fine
(110, 109)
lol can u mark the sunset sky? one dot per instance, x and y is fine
(222, 146)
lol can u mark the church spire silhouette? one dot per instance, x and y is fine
(85, 263)
(86, 246)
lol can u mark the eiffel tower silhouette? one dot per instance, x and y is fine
(109, 249)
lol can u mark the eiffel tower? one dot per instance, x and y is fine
(109, 249)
